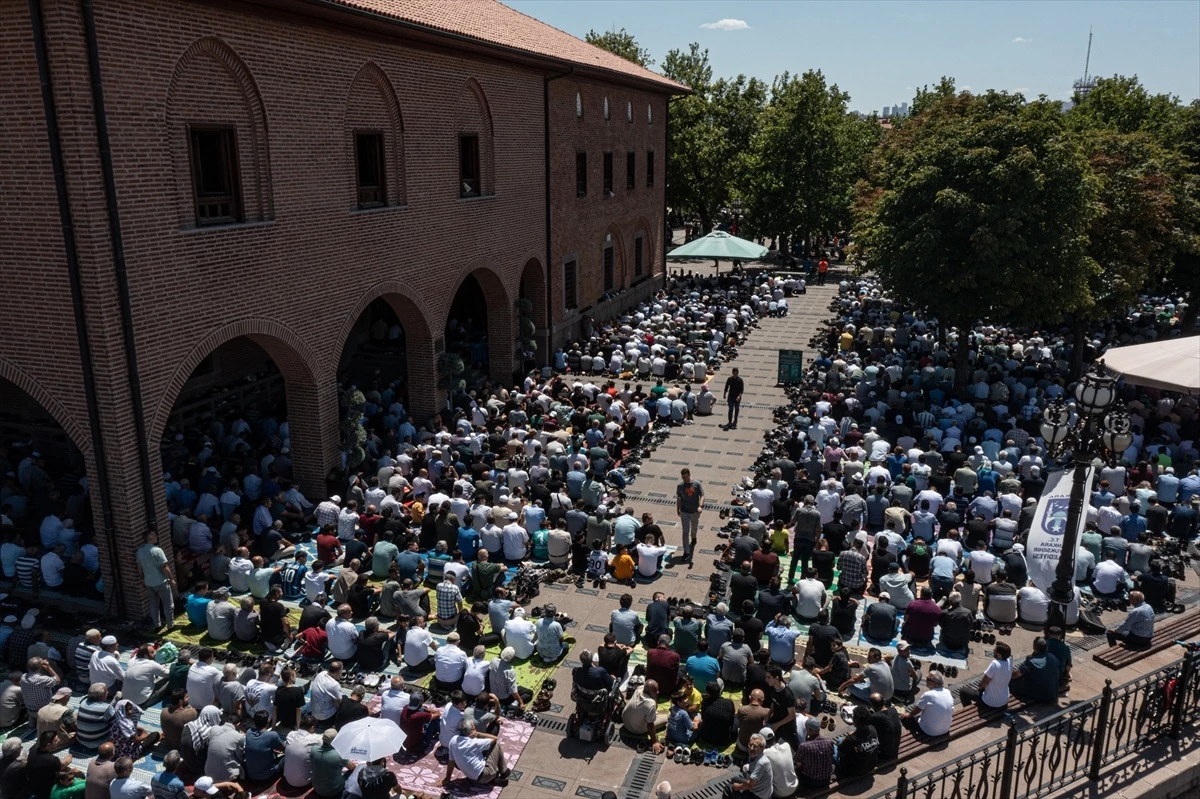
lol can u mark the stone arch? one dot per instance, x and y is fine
(311, 393)
(501, 314)
(621, 268)
(533, 288)
(421, 340)
(474, 117)
(211, 85)
(26, 383)
(371, 104)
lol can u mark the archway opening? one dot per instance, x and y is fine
(531, 316)
(467, 335)
(45, 499)
(375, 356)
(226, 445)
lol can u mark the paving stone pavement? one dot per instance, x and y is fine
(718, 459)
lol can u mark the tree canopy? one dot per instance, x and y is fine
(621, 43)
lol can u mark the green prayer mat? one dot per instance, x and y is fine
(185, 632)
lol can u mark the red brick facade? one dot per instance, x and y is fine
(295, 275)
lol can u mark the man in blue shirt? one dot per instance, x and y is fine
(293, 576)
(264, 750)
(1134, 524)
(408, 563)
(166, 784)
(703, 668)
(197, 605)
(1036, 679)
(468, 543)
(781, 641)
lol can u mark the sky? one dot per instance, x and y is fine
(880, 52)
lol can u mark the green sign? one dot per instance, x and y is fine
(791, 366)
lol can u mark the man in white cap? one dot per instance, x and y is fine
(515, 539)
(105, 666)
(327, 511)
(502, 679)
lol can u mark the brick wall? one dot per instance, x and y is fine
(295, 275)
(581, 227)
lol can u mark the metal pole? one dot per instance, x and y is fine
(1099, 735)
(1010, 757)
(1062, 590)
(902, 784)
(1181, 689)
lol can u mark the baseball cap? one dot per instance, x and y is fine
(108, 640)
(205, 785)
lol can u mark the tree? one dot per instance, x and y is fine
(800, 153)
(709, 135)
(621, 43)
(977, 209)
(927, 96)
(1123, 104)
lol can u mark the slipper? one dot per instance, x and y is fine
(679, 753)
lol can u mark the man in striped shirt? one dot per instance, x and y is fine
(80, 651)
(93, 718)
(293, 576)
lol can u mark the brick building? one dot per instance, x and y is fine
(212, 200)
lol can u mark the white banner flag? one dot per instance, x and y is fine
(1044, 544)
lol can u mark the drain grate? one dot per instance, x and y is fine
(639, 780)
(552, 724)
(709, 790)
(1087, 643)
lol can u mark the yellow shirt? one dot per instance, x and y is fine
(623, 567)
(418, 511)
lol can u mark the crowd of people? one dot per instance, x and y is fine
(915, 497)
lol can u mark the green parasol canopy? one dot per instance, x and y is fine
(720, 245)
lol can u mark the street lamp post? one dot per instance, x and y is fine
(1100, 429)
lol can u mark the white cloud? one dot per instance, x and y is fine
(1022, 40)
(727, 25)
(965, 88)
(1021, 90)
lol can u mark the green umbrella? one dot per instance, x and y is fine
(720, 245)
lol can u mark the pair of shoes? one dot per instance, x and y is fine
(697, 758)
(950, 671)
(710, 758)
(682, 754)
(827, 723)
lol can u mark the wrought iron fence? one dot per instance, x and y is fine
(1070, 746)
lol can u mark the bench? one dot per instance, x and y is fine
(1165, 634)
(966, 720)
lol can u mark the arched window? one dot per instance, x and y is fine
(474, 143)
(375, 132)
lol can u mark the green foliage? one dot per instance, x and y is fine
(354, 435)
(621, 43)
(927, 96)
(976, 209)
(710, 135)
(1123, 104)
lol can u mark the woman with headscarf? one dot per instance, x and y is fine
(128, 738)
(194, 743)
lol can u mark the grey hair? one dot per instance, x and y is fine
(231, 670)
(466, 727)
(172, 760)
(585, 657)
(371, 624)
(479, 651)
(935, 678)
(11, 748)
(761, 740)
(98, 691)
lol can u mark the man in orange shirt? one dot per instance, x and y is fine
(822, 269)
(623, 566)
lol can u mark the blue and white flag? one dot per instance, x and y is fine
(1044, 543)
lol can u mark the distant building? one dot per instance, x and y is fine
(887, 111)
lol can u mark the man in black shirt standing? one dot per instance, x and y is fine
(734, 387)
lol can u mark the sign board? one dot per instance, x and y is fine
(791, 367)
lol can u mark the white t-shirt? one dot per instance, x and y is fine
(391, 703)
(996, 693)
(981, 565)
(314, 584)
(648, 559)
(469, 754)
(518, 633)
(297, 759)
(1033, 606)
(416, 645)
(449, 663)
(52, 569)
(475, 677)
(451, 716)
(343, 637)
(812, 594)
(239, 574)
(937, 708)
(260, 696)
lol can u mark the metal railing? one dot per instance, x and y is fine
(1070, 746)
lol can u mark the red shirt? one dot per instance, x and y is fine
(764, 565)
(413, 723)
(823, 266)
(327, 548)
(662, 666)
(314, 639)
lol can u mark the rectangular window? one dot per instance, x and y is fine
(649, 169)
(580, 174)
(608, 174)
(215, 175)
(631, 170)
(468, 166)
(637, 256)
(570, 282)
(609, 277)
(372, 185)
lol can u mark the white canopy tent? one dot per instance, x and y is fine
(1171, 365)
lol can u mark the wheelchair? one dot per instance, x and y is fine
(596, 715)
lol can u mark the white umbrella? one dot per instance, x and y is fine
(1172, 364)
(369, 739)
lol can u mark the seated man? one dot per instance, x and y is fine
(418, 644)
(876, 678)
(1110, 580)
(1000, 600)
(1157, 588)
(879, 620)
(551, 644)
(1137, 631)
(641, 719)
(450, 664)
(590, 676)
(478, 755)
(1036, 679)
(934, 710)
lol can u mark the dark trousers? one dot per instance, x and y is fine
(1130, 640)
(802, 551)
(735, 406)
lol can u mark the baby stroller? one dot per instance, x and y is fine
(595, 716)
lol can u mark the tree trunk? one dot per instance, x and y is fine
(706, 224)
(961, 353)
(1078, 339)
(1193, 313)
